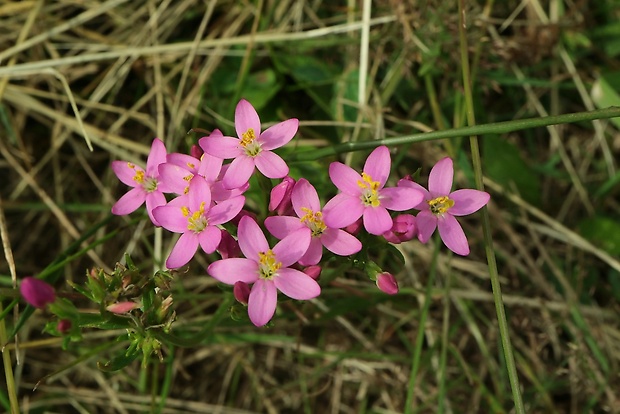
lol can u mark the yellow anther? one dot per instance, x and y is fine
(248, 137)
(314, 221)
(440, 205)
(139, 177)
(268, 265)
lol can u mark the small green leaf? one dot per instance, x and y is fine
(605, 93)
(119, 362)
(603, 232)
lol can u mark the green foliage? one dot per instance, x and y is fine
(603, 232)
(504, 164)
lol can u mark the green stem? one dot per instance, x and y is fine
(8, 368)
(496, 128)
(486, 222)
(419, 340)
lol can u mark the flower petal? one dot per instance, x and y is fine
(313, 254)
(226, 210)
(279, 135)
(199, 194)
(129, 202)
(262, 302)
(209, 239)
(345, 178)
(452, 235)
(210, 167)
(440, 178)
(427, 223)
(251, 238)
(468, 201)
(305, 195)
(231, 271)
(154, 200)
(271, 165)
(239, 172)
(156, 156)
(126, 171)
(282, 226)
(377, 220)
(186, 162)
(171, 218)
(175, 178)
(378, 164)
(246, 118)
(340, 242)
(291, 248)
(183, 250)
(221, 147)
(296, 284)
(342, 210)
(426, 195)
(400, 198)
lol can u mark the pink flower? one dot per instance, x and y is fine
(280, 197)
(122, 307)
(241, 292)
(37, 292)
(252, 148)
(364, 195)
(307, 206)
(440, 206)
(403, 229)
(386, 282)
(228, 247)
(268, 269)
(146, 184)
(194, 217)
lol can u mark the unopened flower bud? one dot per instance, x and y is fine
(122, 307)
(403, 229)
(354, 228)
(64, 326)
(37, 292)
(313, 271)
(228, 247)
(242, 214)
(280, 198)
(196, 151)
(241, 291)
(386, 282)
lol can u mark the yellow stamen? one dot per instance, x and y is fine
(314, 221)
(370, 195)
(440, 205)
(268, 265)
(248, 137)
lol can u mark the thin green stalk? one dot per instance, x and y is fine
(496, 128)
(486, 222)
(444, 345)
(419, 340)
(8, 368)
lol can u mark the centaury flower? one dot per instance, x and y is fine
(365, 196)
(146, 183)
(197, 220)
(440, 206)
(252, 148)
(307, 206)
(268, 270)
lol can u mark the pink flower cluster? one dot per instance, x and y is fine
(204, 193)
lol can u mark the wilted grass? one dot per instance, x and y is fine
(137, 70)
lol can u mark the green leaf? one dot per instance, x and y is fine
(261, 87)
(119, 362)
(603, 232)
(503, 164)
(605, 93)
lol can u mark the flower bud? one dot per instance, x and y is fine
(354, 228)
(228, 247)
(403, 229)
(37, 292)
(241, 291)
(196, 152)
(313, 271)
(386, 282)
(280, 198)
(64, 326)
(122, 307)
